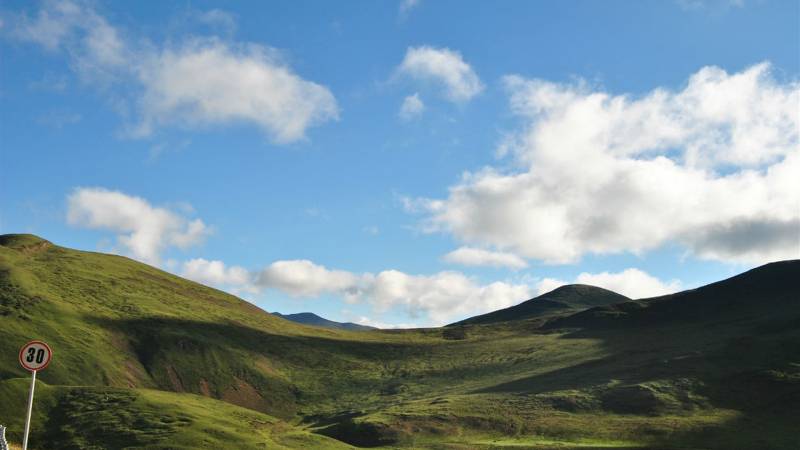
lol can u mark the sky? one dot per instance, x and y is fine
(407, 163)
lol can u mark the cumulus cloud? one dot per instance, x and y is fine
(444, 67)
(469, 256)
(632, 283)
(207, 82)
(215, 273)
(303, 278)
(440, 297)
(194, 82)
(712, 166)
(412, 107)
(142, 229)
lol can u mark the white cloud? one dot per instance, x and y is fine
(215, 273)
(303, 278)
(469, 256)
(440, 297)
(363, 320)
(632, 283)
(96, 49)
(712, 166)
(406, 6)
(53, 23)
(144, 230)
(235, 279)
(412, 107)
(218, 18)
(196, 82)
(207, 82)
(445, 67)
(549, 284)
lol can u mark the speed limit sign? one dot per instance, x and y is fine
(35, 355)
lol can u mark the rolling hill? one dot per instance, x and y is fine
(570, 298)
(146, 359)
(308, 318)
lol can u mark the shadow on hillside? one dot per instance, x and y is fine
(268, 372)
(737, 361)
(257, 369)
(151, 333)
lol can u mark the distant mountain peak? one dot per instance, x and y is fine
(582, 295)
(309, 318)
(763, 288)
(570, 297)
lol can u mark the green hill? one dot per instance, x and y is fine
(146, 359)
(570, 298)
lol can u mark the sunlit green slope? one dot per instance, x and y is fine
(717, 367)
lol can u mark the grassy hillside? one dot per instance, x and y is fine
(184, 364)
(565, 299)
(116, 418)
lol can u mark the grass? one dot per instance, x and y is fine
(144, 359)
(116, 418)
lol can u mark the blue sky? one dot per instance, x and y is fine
(406, 163)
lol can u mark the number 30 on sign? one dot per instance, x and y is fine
(35, 355)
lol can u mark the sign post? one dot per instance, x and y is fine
(34, 356)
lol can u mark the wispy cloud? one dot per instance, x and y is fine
(59, 118)
(412, 107)
(444, 67)
(191, 82)
(406, 6)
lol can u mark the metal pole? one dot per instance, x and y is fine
(30, 409)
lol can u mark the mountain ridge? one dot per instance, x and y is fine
(564, 299)
(309, 318)
(716, 367)
(772, 281)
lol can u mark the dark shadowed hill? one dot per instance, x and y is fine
(308, 318)
(758, 290)
(570, 298)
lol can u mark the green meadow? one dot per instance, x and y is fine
(146, 359)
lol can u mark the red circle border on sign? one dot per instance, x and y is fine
(49, 356)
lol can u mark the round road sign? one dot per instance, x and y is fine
(35, 355)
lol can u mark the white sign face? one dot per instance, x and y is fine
(35, 355)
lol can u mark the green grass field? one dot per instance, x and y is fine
(145, 359)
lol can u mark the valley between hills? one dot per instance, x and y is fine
(146, 359)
